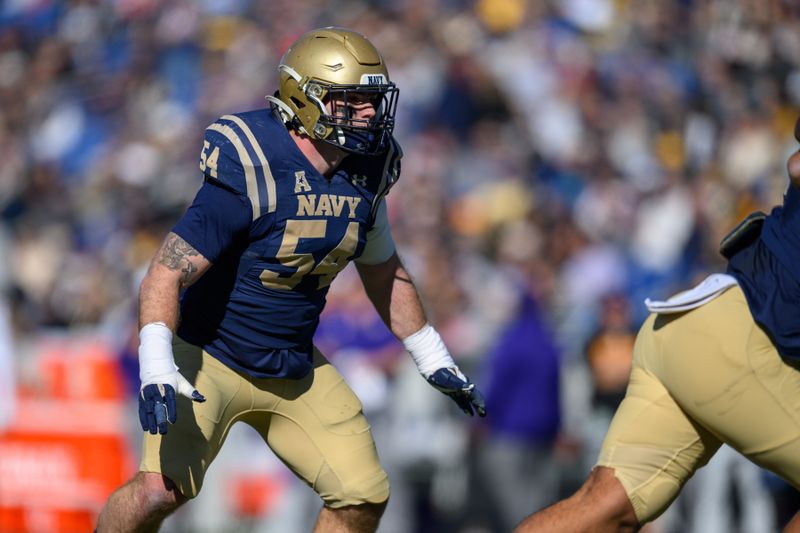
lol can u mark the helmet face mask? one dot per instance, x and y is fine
(359, 135)
(325, 77)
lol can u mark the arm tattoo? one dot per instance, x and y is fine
(176, 254)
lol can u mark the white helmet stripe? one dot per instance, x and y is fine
(290, 71)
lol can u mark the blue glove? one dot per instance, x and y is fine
(157, 406)
(453, 383)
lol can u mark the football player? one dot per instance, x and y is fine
(715, 364)
(291, 194)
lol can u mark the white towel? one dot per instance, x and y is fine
(707, 290)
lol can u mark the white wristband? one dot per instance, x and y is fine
(156, 363)
(428, 350)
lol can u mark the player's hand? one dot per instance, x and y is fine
(160, 379)
(157, 402)
(452, 382)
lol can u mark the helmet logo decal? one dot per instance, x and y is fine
(373, 79)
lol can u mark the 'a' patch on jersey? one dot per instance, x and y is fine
(300, 182)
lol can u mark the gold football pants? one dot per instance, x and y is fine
(314, 425)
(701, 378)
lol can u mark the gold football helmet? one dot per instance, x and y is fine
(335, 66)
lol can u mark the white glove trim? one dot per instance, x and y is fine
(428, 351)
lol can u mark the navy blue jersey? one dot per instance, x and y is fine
(768, 274)
(277, 233)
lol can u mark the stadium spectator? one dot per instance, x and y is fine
(518, 467)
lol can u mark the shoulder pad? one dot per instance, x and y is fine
(232, 156)
(393, 157)
(390, 173)
(745, 232)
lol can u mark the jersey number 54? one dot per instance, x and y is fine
(304, 263)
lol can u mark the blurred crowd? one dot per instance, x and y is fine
(563, 160)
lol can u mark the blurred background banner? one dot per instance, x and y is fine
(563, 161)
(67, 446)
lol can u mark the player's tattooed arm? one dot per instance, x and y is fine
(178, 255)
(175, 266)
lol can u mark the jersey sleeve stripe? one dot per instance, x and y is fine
(247, 164)
(268, 178)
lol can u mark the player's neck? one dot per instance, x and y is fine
(322, 156)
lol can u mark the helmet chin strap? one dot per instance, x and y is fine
(352, 141)
(340, 136)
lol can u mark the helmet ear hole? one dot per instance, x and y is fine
(299, 103)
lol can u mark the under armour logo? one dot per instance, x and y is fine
(359, 180)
